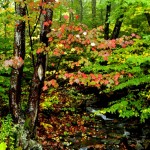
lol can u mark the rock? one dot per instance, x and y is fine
(91, 110)
(139, 146)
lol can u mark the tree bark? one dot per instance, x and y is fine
(106, 29)
(39, 72)
(16, 73)
(93, 12)
(117, 27)
(71, 15)
(148, 18)
(81, 10)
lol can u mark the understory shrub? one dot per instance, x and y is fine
(79, 56)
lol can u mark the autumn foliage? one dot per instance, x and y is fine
(84, 45)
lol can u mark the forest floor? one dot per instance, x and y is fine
(69, 129)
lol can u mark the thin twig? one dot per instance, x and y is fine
(31, 33)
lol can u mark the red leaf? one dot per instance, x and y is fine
(116, 82)
(70, 82)
(66, 17)
(130, 75)
(44, 12)
(113, 44)
(50, 39)
(46, 23)
(77, 17)
(97, 85)
(123, 45)
(105, 82)
(93, 76)
(116, 77)
(122, 72)
(101, 28)
(133, 34)
(101, 46)
(50, 22)
(100, 76)
(77, 81)
(93, 49)
(56, 52)
(68, 75)
(84, 75)
(52, 64)
(45, 87)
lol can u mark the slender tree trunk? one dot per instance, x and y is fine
(81, 10)
(71, 16)
(119, 21)
(106, 29)
(148, 18)
(93, 12)
(39, 72)
(16, 73)
(117, 27)
(60, 16)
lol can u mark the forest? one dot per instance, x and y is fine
(74, 74)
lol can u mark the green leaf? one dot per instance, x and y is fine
(3, 146)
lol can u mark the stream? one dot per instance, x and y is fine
(113, 134)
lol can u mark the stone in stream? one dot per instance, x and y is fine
(91, 110)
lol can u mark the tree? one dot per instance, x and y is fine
(81, 10)
(106, 29)
(39, 68)
(17, 69)
(93, 12)
(117, 27)
(148, 17)
(17, 63)
(79, 60)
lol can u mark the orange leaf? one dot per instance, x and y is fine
(54, 83)
(45, 87)
(39, 50)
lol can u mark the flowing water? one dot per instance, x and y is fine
(114, 134)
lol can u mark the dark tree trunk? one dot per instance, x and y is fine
(106, 29)
(16, 73)
(81, 10)
(60, 16)
(148, 18)
(39, 72)
(117, 27)
(71, 15)
(94, 12)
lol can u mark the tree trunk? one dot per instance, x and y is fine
(93, 13)
(148, 18)
(16, 73)
(39, 72)
(106, 29)
(81, 10)
(117, 27)
(71, 15)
